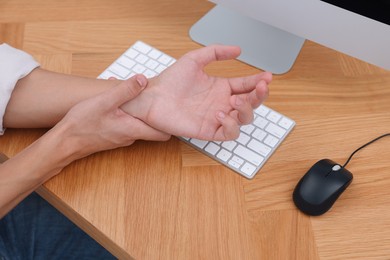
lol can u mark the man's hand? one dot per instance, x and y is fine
(185, 101)
(99, 123)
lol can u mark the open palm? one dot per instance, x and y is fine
(186, 101)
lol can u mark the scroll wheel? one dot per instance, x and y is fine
(336, 168)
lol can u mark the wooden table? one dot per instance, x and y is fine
(167, 201)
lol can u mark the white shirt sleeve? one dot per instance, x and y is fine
(14, 65)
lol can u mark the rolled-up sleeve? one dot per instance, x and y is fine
(14, 65)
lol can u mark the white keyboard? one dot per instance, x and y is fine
(245, 155)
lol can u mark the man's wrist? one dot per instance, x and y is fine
(140, 106)
(56, 150)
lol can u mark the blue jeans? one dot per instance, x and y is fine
(36, 230)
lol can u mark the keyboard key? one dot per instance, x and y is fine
(142, 58)
(259, 134)
(199, 143)
(275, 130)
(274, 117)
(243, 138)
(262, 111)
(212, 148)
(237, 160)
(271, 141)
(126, 62)
(151, 64)
(142, 47)
(249, 155)
(259, 147)
(150, 74)
(248, 169)
(160, 68)
(260, 122)
(131, 53)
(229, 145)
(224, 155)
(234, 164)
(138, 69)
(155, 54)
(119, 70)
(248, 129)
(286, 123)
(165, 59)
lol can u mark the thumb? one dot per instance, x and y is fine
(229, 129)
(128, 89)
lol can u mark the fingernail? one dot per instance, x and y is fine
(142, 81)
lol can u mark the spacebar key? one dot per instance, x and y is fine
(249, 155)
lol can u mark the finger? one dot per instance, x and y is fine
(259, 95)
(214, 53)
(126, 90)
(243, 110)
(229, 129)
(247, 84)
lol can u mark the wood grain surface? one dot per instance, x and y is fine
(166, 200)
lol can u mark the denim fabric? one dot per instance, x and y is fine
(36, 230)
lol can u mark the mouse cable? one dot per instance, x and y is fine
(361, 147)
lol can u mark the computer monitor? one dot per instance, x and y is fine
(272, 32)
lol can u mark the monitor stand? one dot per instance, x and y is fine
(262, 46)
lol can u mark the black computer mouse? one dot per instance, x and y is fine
(320, 187)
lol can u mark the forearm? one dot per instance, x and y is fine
(93, 125)
(42, 98)
(42, 160)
